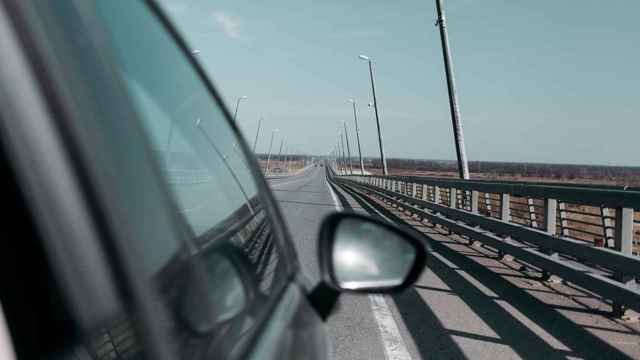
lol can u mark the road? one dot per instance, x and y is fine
(467, 304)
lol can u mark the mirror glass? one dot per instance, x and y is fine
(368, 255)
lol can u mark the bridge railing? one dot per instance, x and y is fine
(595, 226)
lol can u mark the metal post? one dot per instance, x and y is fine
(255, 142)
(280, 152)
(623, 240)
(375, 107)
(235, 114)
(550, 215)
(269, 154)
(463, 166)
(286, 157)
(453, 198)
(346, 136)
(505, 207)
(355, 120)
(343, 154)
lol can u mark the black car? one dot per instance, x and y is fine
(138, 224)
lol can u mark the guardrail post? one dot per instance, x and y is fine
(413, 190)
(550, 223)
(425, 190)
(436, 194)
(550, 215)
(505, 215)
(453, 199)
(505, 207)
(623, 242)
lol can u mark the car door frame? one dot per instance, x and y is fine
(58, 111)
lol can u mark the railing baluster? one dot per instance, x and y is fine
(607, 227)
(532, 212)
(564, 223)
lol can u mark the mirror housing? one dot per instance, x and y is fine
(360, 254)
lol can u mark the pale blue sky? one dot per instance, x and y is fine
(542, 81)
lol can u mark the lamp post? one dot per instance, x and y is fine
(235, 114)
(343, 154)
(346, 136)
(383, 159)
(355, 120)
(255, 142)
(280, 152)
(269, 154)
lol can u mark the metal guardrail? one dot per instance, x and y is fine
(550, 226)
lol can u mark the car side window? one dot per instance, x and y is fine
(218, 286)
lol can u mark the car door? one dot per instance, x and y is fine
(194, 242)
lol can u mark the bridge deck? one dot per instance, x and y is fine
(470, 303)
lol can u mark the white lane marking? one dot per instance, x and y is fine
(394, 346)
(392, 342)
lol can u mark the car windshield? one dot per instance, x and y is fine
(472, 122)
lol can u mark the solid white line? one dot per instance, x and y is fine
(392, 342)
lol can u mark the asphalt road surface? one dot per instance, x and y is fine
(468, 304)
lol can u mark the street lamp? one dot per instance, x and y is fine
(273, 133)
(355, 120)
(255, 142)
(375, 106)
(343, 154)
(280, 152)
(346, 136)
(235, 114)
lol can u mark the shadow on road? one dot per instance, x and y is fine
(429, 334)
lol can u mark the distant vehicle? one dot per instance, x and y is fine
(143, 226)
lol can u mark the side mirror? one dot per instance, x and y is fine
(361, 254)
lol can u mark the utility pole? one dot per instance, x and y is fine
(255, 142)
(355, 120)
(463, 166)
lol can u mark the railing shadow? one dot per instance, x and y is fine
(513, 333)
